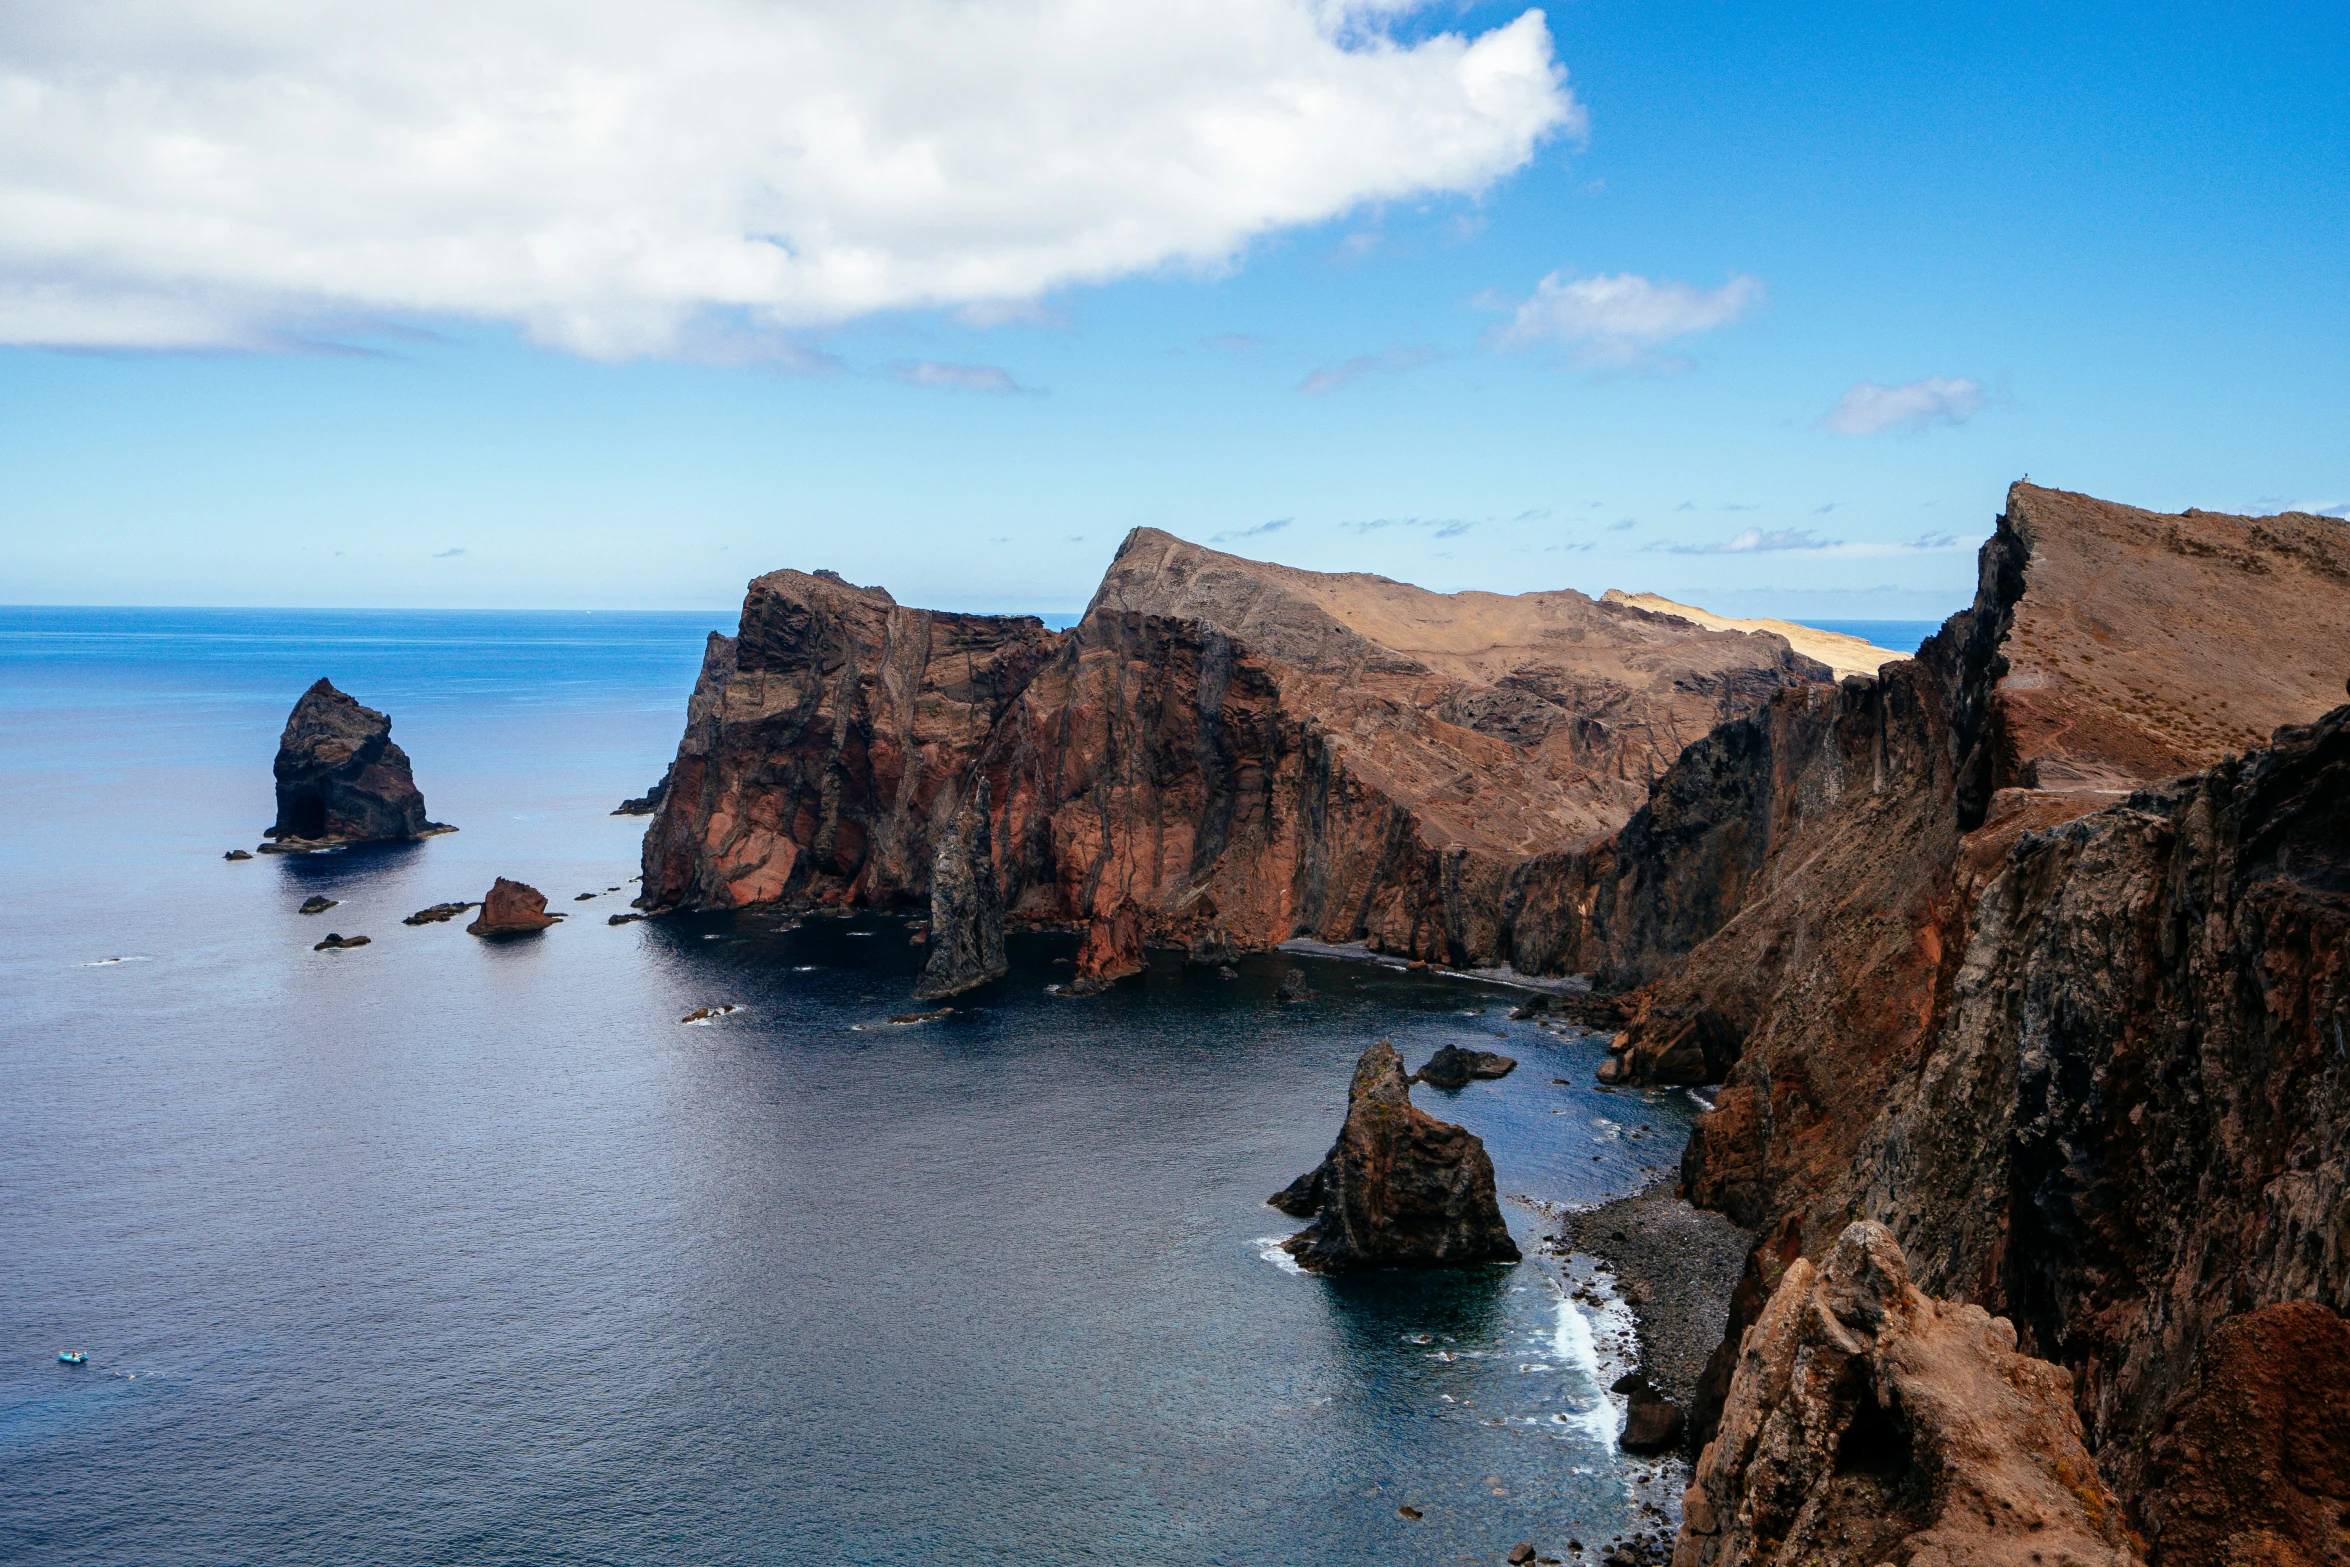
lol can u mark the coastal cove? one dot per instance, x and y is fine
(444, 1250)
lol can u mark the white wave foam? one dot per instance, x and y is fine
(104, 962)
(1269, 1250)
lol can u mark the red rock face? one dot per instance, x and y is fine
(1111, 951)
(1229, 749)
(1968, 958)
(511, 908)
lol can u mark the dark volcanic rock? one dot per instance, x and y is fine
(1399, 1189)
(1453, 1067)
(512, 908)
(438, 913)
(966, 909)
(318, 904)
(238, 854)
(1112, 950)
(1294, 987)
(650, 801)
(335, 940)
(340, 779)
(1653, 1423)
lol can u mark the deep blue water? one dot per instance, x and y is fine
(1902, 636)
(438, 1251)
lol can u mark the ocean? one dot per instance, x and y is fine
(444, 1251)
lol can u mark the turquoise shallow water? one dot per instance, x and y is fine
(439, 1251)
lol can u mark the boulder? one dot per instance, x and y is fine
(1453, 1067)
(340, 779)
(318, 904)
(1399, 1189)
(966, 908)
(1653, 1423)
(335, 940)
(439, 913)
(1294, 987)
(512, 908)
(238, 854)
(1112, 950)
(1869, 1422)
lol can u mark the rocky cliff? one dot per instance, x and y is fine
(340, 779)
(1869, 1422)
(1237, 752)
(2008, 950)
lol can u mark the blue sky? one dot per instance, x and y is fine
(2107, 248)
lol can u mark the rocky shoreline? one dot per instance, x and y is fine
(1675, 1267)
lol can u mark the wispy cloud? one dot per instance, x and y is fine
(1870, 409)
(1393, 360)
(1802, 541)
(1257, 532)
(1441, 527)
(1621, 322)
(961, 378)
(1621, 523)
(446, 554)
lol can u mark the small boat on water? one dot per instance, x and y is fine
(73, 1357)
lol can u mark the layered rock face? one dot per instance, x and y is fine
(1399, 1189)
(1869, 1422)
(1112, 950)
(2005, 950)
(340, 779)
(966, 908)
(1238, 752)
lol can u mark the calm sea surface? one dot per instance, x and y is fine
(439, 1251)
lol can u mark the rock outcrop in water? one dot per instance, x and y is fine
(966, 908)
(2006, 950)
(1238, 752)
(511, 908)
(1399, 1189)
(1111, 951)
(340, 779)
(1869, 1422)
(1453, 1067)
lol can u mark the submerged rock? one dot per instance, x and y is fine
(1112, 950)
(317, 904)
(335, 940)
(438, 913)
(966, 908)
(624, 919)
(1399, 1189)
(512, 908)
(1869, 1422)
(1453, 1067)
(238, 854)
(340, 779)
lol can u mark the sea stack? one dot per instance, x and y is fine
(340, 779)
(1399, 1189)
(511, 908)
(1453, 1067)
(1112, 950)
(966, 907)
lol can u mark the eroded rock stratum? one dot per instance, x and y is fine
(1236, 752)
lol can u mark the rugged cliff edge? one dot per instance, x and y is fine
(1237, 752)
(2008, 950)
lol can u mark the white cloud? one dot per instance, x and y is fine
(241, 173)
(1398, 358)
(961, 378)
(1259, 531)
(1870, 409)
(1619, 322)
